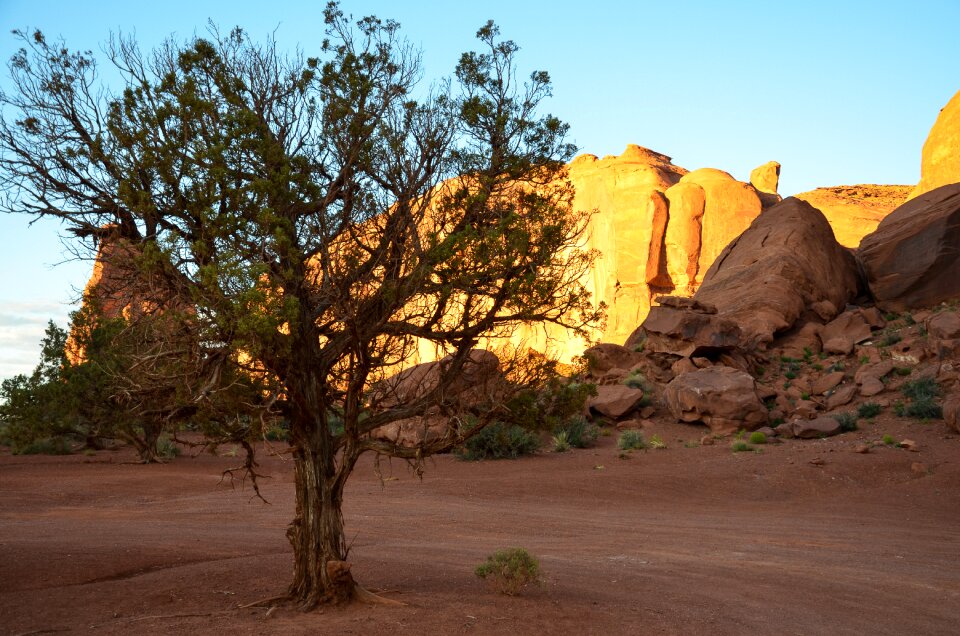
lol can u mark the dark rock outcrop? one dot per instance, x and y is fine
(913, 258)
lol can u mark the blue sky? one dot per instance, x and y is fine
(838, 92)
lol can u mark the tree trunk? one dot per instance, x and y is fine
(320, 572)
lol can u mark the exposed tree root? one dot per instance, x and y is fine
(265, 601)
(367, 597)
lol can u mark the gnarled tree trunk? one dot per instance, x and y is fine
(320, 572)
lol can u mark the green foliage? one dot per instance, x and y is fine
(869, 410)
(922, 393)
(560, 442)
(740, 446)
(899, 408)
(902, 371)
(636, 380)
(166, 448)
(924, 409)
(790, 375)
(631, 440)
(555, 404)
(499, 441)
(889, 440)
(510, 570)
(758, 437)
(847, 421)
(578, 432)
(44, 446)
(921, 388)
(805, 396)
(890, 339)
(657, 442)
(864, 359)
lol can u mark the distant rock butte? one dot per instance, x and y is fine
(940, 160)
(856, 210)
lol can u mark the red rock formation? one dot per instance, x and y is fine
(855, 211)
(940, 163)
(913, 257)
(786, 262)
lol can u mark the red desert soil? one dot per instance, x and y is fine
(805, 537)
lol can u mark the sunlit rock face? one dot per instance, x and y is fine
(940, 163)
(657, 226)
(855, 211)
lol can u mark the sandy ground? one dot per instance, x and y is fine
(805, 537)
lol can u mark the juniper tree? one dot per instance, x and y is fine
(324, 216)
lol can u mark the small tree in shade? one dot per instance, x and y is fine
(322, 219)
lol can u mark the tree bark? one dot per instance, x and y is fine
(320, 573)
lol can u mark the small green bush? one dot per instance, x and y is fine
(631, 440)
(560, 442)
(499, 441)
(758, 437)
(166, 448)
(579, 432)
(847, 421)
(889, 440)
(921, 388)
(925, 409)
(869, 410)
(740, 446)
(790, 375)
(510, 570)
(277, 434)
(45, 446)
(890, 339)
(902, 371)
(636, 380)
(657, 442)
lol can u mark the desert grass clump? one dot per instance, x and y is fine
(740, 446)
(758, 437)
(922, 393)
(560, 442)
(869, 410)
(578, 431)
(657, 442)
(631, 440)
(499, 441)
(889, 440)
(847, 421)
(510, 570)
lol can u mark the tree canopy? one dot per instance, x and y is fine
(322, 217)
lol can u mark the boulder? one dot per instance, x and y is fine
(944, 326)
(842, 396)
(772, 273)
(603, 357)
(940, 161)
(480, 380)
(723, 398)
(824, 426)
(843, 332)
(614, 401)
(684, 332)
(871, 386)
(875, 371)
(766, 178)
(913, 257)
(951, 411)
(827, 382)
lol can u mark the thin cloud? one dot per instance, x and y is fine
(22, 327)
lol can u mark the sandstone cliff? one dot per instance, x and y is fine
(940, 160)
(855, 211)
